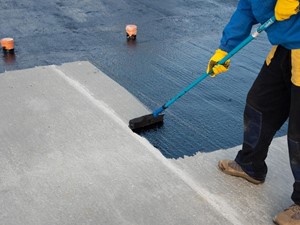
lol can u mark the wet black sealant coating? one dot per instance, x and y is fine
(175, 40)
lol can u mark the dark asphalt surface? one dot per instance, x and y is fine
(174, 42)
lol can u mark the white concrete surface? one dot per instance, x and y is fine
(68, 157)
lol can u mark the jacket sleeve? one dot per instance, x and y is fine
(239, 26)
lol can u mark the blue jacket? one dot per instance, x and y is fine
(251, 12)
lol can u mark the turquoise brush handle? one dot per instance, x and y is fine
(252, 36)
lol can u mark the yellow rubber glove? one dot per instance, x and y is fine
(212, 64)
(284, 9)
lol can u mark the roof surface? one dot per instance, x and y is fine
(67, 154)
(68, 157)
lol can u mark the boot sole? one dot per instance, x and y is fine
(275, 222)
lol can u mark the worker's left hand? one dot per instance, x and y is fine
(284, 9)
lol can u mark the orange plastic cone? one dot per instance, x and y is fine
(7, 44)
(131, 31)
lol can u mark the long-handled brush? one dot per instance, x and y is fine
(155, 119)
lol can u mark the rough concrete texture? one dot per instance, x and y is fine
(68, 157)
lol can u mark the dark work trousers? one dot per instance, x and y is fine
(272, 100)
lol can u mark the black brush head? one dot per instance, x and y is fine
(146, 122)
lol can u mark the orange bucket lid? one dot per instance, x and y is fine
(7, 43)
(131, 29)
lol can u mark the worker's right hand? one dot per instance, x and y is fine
(284, 9)
(212, 64)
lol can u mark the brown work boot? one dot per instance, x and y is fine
(289, 216)
(232, 168)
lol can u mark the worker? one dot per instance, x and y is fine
(274, 96)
